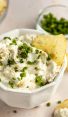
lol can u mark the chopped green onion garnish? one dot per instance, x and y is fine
(0, 79)
(7, 38)
(23, 50)
(25, 68)
(21, 60)
(16, 69)
(39, 81)
(48, 104)
(31, 62)
(37, 51)
(12, 82)
(10, 61)
(49, 57)
(59, 101)
(23, 74)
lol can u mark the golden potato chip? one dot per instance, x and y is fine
(55, 46)
(64, 104)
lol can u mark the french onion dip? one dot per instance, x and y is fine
(23, 66)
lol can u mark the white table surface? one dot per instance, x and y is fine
(23, 14)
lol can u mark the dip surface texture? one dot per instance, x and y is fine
(23, 66)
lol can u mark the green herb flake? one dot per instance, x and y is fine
(39, 81)
(19, 78)
(7, 38)
(24, 69)
(31, 62)
(12, 82)
(0, 79)
(53, 25)
(36, 51)
(10, 61)
(48, 104)
(14, 42)
(49, 57)
(13, 78)
(23, 50)
(21, 60)
(38, 56)
(1, 63)
(27, 87)
(36, 68)
(16, 68)
(58, 102)
(23, 74)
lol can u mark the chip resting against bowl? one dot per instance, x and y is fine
(61, 110)
(55, 46)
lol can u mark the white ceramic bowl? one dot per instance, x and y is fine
(23, 99)
(57, 10)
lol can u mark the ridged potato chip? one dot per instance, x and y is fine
(55, 46)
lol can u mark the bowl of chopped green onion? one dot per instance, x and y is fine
(53, 20)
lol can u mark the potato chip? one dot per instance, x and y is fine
(54, 45)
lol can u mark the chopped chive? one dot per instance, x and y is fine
(36, 68)
(23, 70)
(38, 56)
(19, 78)
(23, 74)
(39, 81)
(12, 83)
(7, 38)
(16, 68)
(23, 50)
(48, 104)
(36, 51)
(1, 63)
(27, 87)
(49, 57)
(53, 25)
(0, 79)
(21, 60)
(31, 62)
(14, 42)
(58, 102)
(10, 61)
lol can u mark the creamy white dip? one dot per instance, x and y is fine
(61, 112)
(24, 66)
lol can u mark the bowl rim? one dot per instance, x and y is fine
(4, 88)
(38, 26)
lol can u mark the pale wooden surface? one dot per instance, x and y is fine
(23, 14)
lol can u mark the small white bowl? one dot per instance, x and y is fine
(29, 99)
(57, 10)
